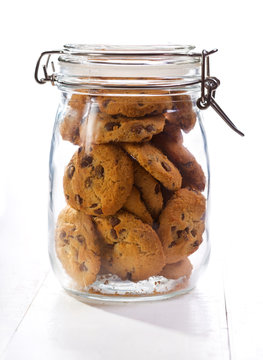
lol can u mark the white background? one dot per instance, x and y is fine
(37, 320)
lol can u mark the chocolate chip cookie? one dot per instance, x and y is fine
(73, 118)
(181, 224)
(135, 205)
(173, 132)
(182, 113)
(134, 103)
(191, 171)
(182, 268)
(71, 197)
(98, 180)
(130, 248)
(105, 128)
(156, 163)
(77, 247)
(150, 190)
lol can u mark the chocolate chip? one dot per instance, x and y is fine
(113, 234)
(140, 104)
(173, 228)
(70, 172)
(114, 221)
(194, 232)
(187, 230)
(62, 234)
(80, 149)
(88, 182)
(129, 276)
(188, 165)
(75, 134)
(182, 216)
(93, 206)
(165, 166)
(137, 129)
(173, 243)
(111, 125)
(83, 267)
(86, 161)
(179, 233)
(99, 171)
(157, 188)
(67, 197)
(80, 239)
(98, 211)
(195, 244)
(78, 199)
(106, 102)
(150, 128)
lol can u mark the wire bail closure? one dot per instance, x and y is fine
(52, 77)
(209, 84)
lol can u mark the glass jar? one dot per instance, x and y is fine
(129, 173)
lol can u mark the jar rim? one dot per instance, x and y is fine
(86, 49)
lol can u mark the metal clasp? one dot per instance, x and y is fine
(208, 91)
(47, 77)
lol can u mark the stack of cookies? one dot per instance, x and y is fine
(133, 190)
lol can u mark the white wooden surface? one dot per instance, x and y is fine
(55, 325)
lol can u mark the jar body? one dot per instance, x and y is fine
(129, 185)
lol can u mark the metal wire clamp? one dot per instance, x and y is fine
(47, 77)
(208, 90)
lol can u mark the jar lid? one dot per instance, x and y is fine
(173, 67)
(157, 66)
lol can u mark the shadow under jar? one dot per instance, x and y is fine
(129, 174)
